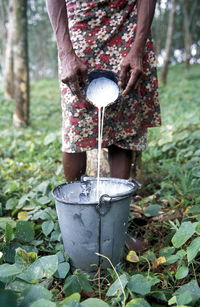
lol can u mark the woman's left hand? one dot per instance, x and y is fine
(131, 72)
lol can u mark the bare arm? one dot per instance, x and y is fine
(73, 70)
(131, 65)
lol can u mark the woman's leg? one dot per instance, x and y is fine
(120, 161)
(74, 165)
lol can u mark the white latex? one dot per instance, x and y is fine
(102, 91)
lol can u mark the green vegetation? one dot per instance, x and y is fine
(34, 271)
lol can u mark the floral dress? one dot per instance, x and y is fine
(102, 33)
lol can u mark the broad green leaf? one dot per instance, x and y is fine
(181, 253)
(139, 284)
(8, 298)
(153, 280)
(197, 152)
(43, 303)
(197, 228)
(61, 257)
(11, 186)
(42, 187)
(23, 201)
(8, 270)
(193, 249)
(181, 136)
(172, 259)
(47, 227)
(10, 251)
(182, 272)
(45, 214)
(167, 251)
(182, 300)
(116, 286)
(50, 138)
(138, 302)
(8, 232)
(188, 293)
(43, 200)
(23, 257)
(22, 215)
(55, 236)
(149, 255)
(71, 304)
(43, 267)
(25, 231)
(76, 283)
(11, 203)
(63, 269)
(34, 293)
(172, 301)
(83, 279)
(94, 302)
(196, 171)
(160, 296)
(74, 297)
(72, 285)
(18, 285)
(152, 210)
(49, 265)
(184, 233)
(5, 220)
(194, 210)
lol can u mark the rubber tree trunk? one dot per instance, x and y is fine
(168, 45)
(159, 29)
(136, 168)
(187, 34)
(20, 67)
(8, 63)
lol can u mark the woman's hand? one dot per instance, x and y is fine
(73, 73)
(131, 72)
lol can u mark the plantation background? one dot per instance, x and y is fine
(34, 270)
(31, 167)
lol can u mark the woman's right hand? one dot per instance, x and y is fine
(73, 73)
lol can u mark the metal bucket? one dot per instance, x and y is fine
(88, 226)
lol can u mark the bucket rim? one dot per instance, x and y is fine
(117, 197)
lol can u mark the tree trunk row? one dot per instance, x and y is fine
(168, 45)
(187, 36)
(16, 62)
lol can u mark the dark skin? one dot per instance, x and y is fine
(74, 72)
(119, 161)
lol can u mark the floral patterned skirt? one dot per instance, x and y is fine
(102, 33)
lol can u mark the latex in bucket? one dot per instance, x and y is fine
(88, 226)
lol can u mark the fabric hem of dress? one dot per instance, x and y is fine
(81, 149)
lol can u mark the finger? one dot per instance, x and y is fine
(83, 75)
(75, 88)
(137, 82)
(123, 75)
(134, 77)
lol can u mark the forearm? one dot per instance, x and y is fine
(146, 9)
(57, 12)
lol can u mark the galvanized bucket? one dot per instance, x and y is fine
(89, 227)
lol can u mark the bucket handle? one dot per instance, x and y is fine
(104, 204)
(85, 178)
(137, 183)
